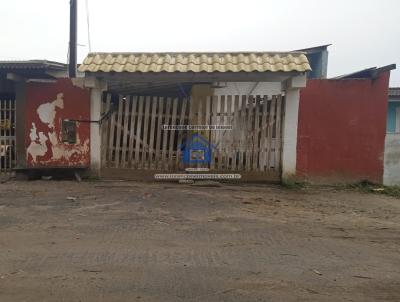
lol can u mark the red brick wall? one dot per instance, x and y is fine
(47, 105)
(341, 133)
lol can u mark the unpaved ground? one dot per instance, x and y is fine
(126, 241)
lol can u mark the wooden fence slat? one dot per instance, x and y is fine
(165, 134)
(208, 122)
(231, 141)
(191, 120)
(278, 134)
(138, 132)
(181, 133)
(246, 139)
(199, 120)
(125, 132)
(12, 136)
(172, 134)
(263, 139)
(152, 131)
(213, 134)
(271, 117)
(235, 132)
(256, 134)
(145, 146)
(159, 131)
(2, 133)
(9, 142)
(221, 121)
(199, 112)
(222, 133)
(243, 137)
(105, 131)
(227, 133)
(4, 143)
(7, 137)
(132, 130)
(119, 130)
(216, 121)
(249, 134)
(111, 151)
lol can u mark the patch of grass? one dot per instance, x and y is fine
(91, 179)
(294, 185)
(368, 187)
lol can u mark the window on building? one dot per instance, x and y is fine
(393, 117)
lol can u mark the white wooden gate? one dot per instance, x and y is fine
(133, 137)
(7, 138)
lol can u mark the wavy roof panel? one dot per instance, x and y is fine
(196, 62)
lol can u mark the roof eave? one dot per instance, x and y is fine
(370, 73)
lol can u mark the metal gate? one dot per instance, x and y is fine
(7, 137)
(133, 137)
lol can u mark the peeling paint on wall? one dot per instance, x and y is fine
(45, 146)
(47, 111)
(38, 145)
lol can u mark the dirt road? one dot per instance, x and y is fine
(127, 241)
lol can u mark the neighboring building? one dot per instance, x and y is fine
(14, 77)
(342, 127)
(42, 117)
(318, 58)
(392, 143)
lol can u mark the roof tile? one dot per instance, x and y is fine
(195, 62)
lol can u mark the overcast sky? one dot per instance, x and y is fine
(364, 33)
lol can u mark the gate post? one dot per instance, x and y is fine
(96, 91)
(290, 123)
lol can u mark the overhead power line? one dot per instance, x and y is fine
(88, 25)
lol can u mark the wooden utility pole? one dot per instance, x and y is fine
(73, 33)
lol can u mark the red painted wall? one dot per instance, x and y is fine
(47, 105)
(342, 127)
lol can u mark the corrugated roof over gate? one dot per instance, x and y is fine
(196, 62)
(32, 64)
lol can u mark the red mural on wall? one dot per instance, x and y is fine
(55, 134)
(342, 128)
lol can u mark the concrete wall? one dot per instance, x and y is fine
(46, 106)
(342, 128)
(391, 175)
